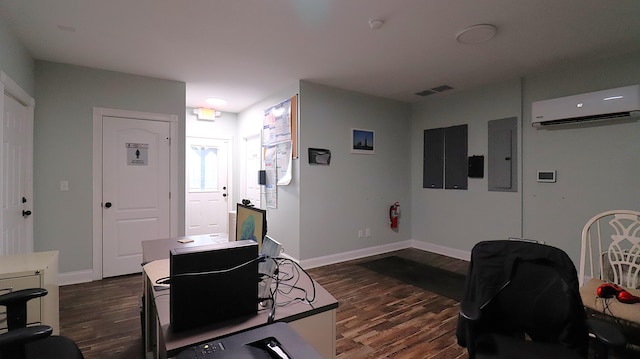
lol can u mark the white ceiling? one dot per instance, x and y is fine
(244, 50)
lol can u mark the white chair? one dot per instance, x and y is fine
(610, 253)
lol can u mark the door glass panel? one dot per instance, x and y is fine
(203, 169)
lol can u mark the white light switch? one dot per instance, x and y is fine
(64, 185)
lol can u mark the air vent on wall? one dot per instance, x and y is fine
(434, 90)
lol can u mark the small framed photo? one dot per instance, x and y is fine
(362, 141)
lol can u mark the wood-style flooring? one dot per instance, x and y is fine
(377, 317)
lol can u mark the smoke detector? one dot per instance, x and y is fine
(476, 34)
(375, 24)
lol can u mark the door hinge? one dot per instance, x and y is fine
(169, 195)
(169, 138)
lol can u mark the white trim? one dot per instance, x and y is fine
(351, 255)
(88, 275)
(98, 113)
(16, 91)
(438, 249)
(83, 276)
(386, 248)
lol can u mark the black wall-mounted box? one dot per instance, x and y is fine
(319, 156)
(476, 166)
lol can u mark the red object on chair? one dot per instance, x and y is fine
(610, 290)
(628, 298)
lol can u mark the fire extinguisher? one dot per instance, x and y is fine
(394, 213)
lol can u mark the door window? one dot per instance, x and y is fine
(203, 165)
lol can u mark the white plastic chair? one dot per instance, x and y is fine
(611, 253)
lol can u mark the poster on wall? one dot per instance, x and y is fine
(283, 163)
(270, 155)
(280, 125)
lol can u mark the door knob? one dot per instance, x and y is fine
(107, 205)
(26, 213)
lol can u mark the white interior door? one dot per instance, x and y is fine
(253, 163)
(207, 204)
(135, 190)
(16, 157)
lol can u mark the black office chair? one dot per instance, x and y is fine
(34, 342)
(522, 301)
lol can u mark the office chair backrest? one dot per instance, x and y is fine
(527, 288)
(539, 303)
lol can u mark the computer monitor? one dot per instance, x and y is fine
(271, 249)
(212, 283)
(251, 224)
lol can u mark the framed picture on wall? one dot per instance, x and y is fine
(362, 141)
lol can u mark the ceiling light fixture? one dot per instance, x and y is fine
(216, 101)
(375, 24)
(476, 34)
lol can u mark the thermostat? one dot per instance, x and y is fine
(547, 176)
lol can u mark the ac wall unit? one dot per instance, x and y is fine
(617, 103)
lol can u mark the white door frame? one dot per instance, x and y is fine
(98, 114)
(229, 185)
(10, 87)
(243, 169)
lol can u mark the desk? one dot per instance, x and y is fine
(159, 248)
(315, 322)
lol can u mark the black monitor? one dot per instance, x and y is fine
(212, 283)
(251, 223)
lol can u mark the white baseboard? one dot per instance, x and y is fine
(438, 249)
(68, 278)
(351, 255)
(85, 276)
(386, 248)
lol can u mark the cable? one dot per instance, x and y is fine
(296, 276)
(167, 280)
(272, 312)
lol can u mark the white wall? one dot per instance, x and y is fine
(15, 60)
(598, 165)
(283, 223)
(63, 135)
(457, 219)
(356, 190)
(223, 127)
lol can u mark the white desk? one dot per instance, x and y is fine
(315, 322)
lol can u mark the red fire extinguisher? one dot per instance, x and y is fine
(394, 213)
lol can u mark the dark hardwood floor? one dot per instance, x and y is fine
(378, 316)
(103, 317)
(382, 317)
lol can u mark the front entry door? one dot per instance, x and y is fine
(207, 188)
(136, 190)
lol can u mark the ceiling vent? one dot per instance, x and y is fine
(434, 90)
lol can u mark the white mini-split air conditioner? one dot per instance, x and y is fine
(617, 103)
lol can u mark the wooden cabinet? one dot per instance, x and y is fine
(32, 270)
